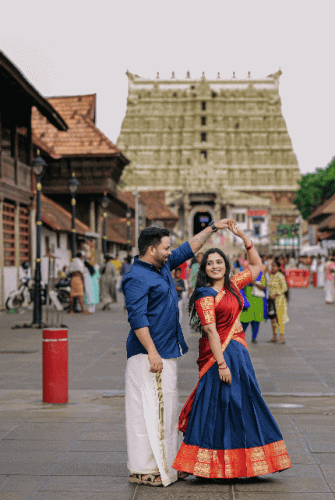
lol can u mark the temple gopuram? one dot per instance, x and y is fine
(217, 148)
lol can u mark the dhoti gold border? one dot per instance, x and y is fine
(161, 420)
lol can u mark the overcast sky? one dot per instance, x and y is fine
(76, 47)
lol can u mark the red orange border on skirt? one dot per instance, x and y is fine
(241, 462)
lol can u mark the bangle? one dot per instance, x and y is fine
(248, 248)
(223, 363)
(223, 367)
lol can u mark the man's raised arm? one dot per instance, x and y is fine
(200, 239)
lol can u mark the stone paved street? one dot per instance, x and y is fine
(78, 451)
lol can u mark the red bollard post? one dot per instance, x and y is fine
(55, 365)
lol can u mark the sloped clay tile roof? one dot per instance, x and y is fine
(326, 234)
(328, 207)
(82, 137)
(154, 204)
(328, 223)
(58, 218)
(116, 230)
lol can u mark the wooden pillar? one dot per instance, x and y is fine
(2, 259)
(29, 139)
(0, 148)
(17, 240)
(99, 240)
(92, 215)
(16, 152)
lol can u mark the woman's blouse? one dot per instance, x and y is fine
(207, 299)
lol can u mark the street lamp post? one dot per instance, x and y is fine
(128, 215)
(73, 186)
(104, 203)
(39, 166)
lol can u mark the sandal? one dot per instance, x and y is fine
(183, 475)
(150, 479)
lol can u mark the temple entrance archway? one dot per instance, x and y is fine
(199, 217)
(200, 221)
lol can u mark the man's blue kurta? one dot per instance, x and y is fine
(152, 301)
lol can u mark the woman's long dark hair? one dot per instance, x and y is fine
(204, 280)
(90, 268)
(287, 293)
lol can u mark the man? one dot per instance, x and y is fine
(154, 343)
(76, 269)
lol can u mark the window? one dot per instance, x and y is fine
(203, 105)
(203, 120)
(203, 136)
(9, 234)
(257, 230)
(203, 153)
(58, 239)
(214, 94)
(240, 217)
(24, 235)
(47, 245)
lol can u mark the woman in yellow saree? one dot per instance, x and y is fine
(228, 429)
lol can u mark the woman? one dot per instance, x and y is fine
(229, 431)
(257, 310)
(107, 286)
(329, 280)
(321, 272)
(279, 293)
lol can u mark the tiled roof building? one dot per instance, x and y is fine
(324, 218)
(85, 151)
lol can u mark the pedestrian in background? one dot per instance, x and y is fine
(180, 288)
(91, 281)
(279, 293)
(256, 312)
(117, 264)
(107, 282)
(314, 271)
(321, 271)
(76, 270)
(194, 270)
(329, 279)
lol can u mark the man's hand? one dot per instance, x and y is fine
(156, 363)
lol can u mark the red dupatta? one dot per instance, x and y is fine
(223, 310)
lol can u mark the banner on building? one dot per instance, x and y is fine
(288, 235)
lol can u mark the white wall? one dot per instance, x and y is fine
(62, 254)
(10, 280)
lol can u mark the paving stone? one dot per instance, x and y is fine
(29, 468)
(283, 484)
(9, 445)
(48, 434)
(324, 458)
(187, 490)
(113, 445)
(329, 473)
(26, 456)
(83, 469)
(16, 483)
(101, 435)
(84, 495)
(8, 425)
(321, 443)
(89, 483)
(95, 457)
(282, 496)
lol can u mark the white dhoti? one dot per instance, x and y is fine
(329, 291)
(152, 418)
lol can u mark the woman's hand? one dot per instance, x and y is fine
(225, 375)
(233, 227)
(273, 297)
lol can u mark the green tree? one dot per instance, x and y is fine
(315, 189)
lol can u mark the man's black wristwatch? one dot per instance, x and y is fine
(213, 226)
